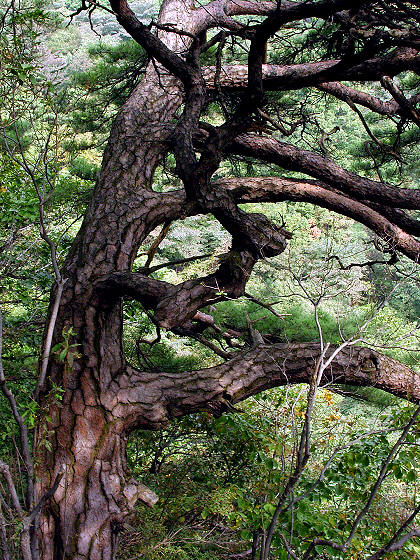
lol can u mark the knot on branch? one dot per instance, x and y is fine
(263, 238)
(369, 364)
(229, 281)
(220, 405)
(234, 271)
(134, 491)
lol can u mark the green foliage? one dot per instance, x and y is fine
(20, 206)
(219, 479)
(113, 73)
(83, 169)
(65, 350)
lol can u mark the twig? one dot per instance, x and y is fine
(266, 305)
(287, 546)
(49, 494)
(23, 430)
(218, 351)
(393, 259)
(171, 28)
(278, 125)
(145, 270)
(154, 247)
(370, 133)
(215, 39)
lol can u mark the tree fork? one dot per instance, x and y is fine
(104, 398)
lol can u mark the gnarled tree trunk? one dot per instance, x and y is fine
(88, 439)
(104, 399)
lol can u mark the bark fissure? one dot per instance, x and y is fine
(249, 372)
(104, 398)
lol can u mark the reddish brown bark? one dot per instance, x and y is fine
(104, 399)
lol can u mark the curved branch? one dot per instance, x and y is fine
(150, 42)
(296, 159)
(296, 76)
(220, 12)
(174, 305)
(153, 399)
(275, 189)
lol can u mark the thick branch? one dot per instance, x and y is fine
(220, 12)
(276, 189)
(303, 161)
(174, 305)
(343, 92)
(154, 46)
(405, 104)
(250, 372)
(271, 25)
(296, 76)
(184, 300)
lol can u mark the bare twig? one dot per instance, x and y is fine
(154, 247)
(383, 146)
(149, 270)
(44, 499)
(278, 126)
(268, 306)
(3, 536)
(23, 430)
(393, 259)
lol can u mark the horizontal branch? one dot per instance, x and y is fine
(136, 285)
(323, 168)
(296, 76)
(163, 396)
(173, 305)
(220, 12)
(345, 93)
(275, 189)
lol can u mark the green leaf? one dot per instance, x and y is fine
(411, 476)
(269, 508)
(397, 472)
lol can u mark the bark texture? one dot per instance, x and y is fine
(104, 398)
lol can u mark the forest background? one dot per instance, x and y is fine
(219, 479)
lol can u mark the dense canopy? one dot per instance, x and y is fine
(233, 104)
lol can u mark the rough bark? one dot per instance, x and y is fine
(248, 373)
(289, 77)
(105, 399)
(96, 493)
